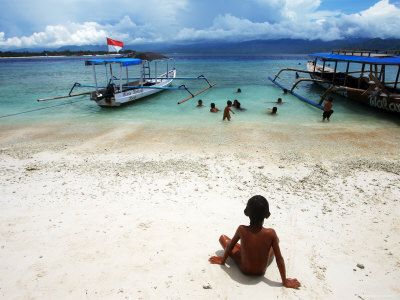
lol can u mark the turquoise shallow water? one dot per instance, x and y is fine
(23, 81)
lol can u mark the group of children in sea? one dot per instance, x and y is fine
(236, 104)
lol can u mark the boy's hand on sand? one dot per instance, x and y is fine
(292, 283)
(216, 260)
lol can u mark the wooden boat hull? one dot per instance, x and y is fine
(376, 100)
(131, 95)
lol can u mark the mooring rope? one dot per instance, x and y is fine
(32, 110)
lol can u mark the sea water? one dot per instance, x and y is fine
(24, 80)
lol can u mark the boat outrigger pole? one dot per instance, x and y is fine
(194, 95)
(295, 94)
(66, 96)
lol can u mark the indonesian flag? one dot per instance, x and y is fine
(114, 46)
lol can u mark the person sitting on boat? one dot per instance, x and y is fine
(200, 103)
(213, 108)
(327, 109)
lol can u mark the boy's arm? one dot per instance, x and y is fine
(286, 282)
(228, 250)
(231, 110)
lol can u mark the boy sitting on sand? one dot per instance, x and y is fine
(258, 244)
(227, 109)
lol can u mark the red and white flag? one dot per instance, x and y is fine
(113, 45)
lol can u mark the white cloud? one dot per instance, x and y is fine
(59, 35)
(158, 21)
(302, 20)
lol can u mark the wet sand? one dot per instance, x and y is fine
(134, 211)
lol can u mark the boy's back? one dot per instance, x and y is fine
(255, 249)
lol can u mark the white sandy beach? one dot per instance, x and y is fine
(134, 212)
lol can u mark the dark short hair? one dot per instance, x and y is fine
(229, 102)
(257, 208)
(212, 105)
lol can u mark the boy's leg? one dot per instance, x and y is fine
(235, 254)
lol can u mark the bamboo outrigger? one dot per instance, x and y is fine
(375, 82)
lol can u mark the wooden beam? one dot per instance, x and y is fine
(66, 96)
(190, 97)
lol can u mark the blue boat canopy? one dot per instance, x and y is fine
(123, 61)
(392, 60)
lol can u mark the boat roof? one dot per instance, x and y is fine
(150, 56)
(393, 60)
(123, 61)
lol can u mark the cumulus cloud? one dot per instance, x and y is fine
(59, 35)
(162, 21)
(301, 19)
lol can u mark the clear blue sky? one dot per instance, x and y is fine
(347, 6)
(49, 23)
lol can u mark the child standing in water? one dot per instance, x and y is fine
(327, 109)
(258, 245)
(227, 110)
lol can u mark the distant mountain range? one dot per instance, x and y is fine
(255, 46)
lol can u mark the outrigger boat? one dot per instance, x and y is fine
(124, 89)
(368, 77)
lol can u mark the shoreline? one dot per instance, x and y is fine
(136, 210)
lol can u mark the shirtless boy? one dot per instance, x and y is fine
(213, 108)
(227, 110)
(327, 109)
(258, 245)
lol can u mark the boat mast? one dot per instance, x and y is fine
(155, 71)
(361, 75)
(105, 65)
(334, 72)
(120, 77)
(347, 71)
(111, 74)
(141, 74)
(397, 78)
(95, 79)
(382, 75)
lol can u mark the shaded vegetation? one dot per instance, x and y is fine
(57, 53)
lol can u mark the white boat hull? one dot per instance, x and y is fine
(131, 95)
